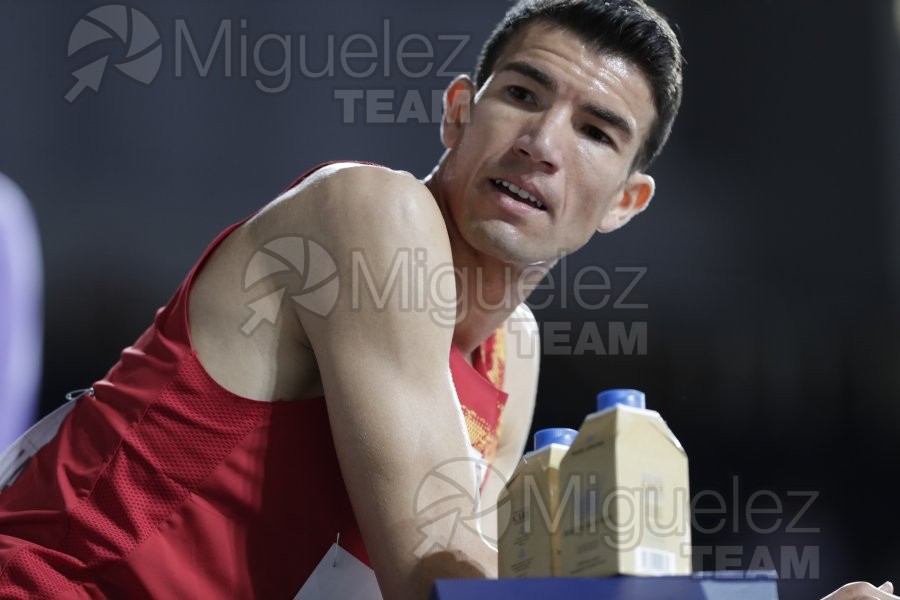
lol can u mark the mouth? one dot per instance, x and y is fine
(518, 194)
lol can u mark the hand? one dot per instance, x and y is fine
(860, 590)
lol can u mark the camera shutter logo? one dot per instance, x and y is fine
(449, 504)
(130, 26)
(312, 267)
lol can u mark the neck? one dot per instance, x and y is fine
(488, 289)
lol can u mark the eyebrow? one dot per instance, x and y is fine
(548, 83)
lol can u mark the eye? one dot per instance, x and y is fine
(519, 94)
(595, 133)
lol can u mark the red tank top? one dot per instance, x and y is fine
(163, 484)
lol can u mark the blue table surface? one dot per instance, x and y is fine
(712, 585)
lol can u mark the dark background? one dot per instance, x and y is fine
(771, 250)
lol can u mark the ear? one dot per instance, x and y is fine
(635, 196)
(458, 98)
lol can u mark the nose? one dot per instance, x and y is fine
(541, 142)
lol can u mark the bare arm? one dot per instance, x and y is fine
(520, 383)
(383, 360)
(860, 590)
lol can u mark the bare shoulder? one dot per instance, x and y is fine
(523, 351)
(357, 177)
(352, 200)
(374, 229)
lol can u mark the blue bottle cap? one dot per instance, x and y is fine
(610, 398)
(554, 435)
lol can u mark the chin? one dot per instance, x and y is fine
(506, 244)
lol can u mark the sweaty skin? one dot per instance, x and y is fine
(383, 369)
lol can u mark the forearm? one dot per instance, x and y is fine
(427, 532)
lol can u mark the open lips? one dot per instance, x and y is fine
(518, 193)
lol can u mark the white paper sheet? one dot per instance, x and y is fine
(340, 576)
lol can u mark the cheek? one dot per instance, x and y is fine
(591, 207)
(492, 126)
(480, 145)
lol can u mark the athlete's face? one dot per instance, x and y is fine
(561, 122)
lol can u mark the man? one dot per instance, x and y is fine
(229, 458)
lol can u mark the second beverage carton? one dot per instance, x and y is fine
(623, 494)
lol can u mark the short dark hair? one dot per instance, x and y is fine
(626, 28)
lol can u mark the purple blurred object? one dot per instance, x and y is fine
(21, 296)
(708, 585)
